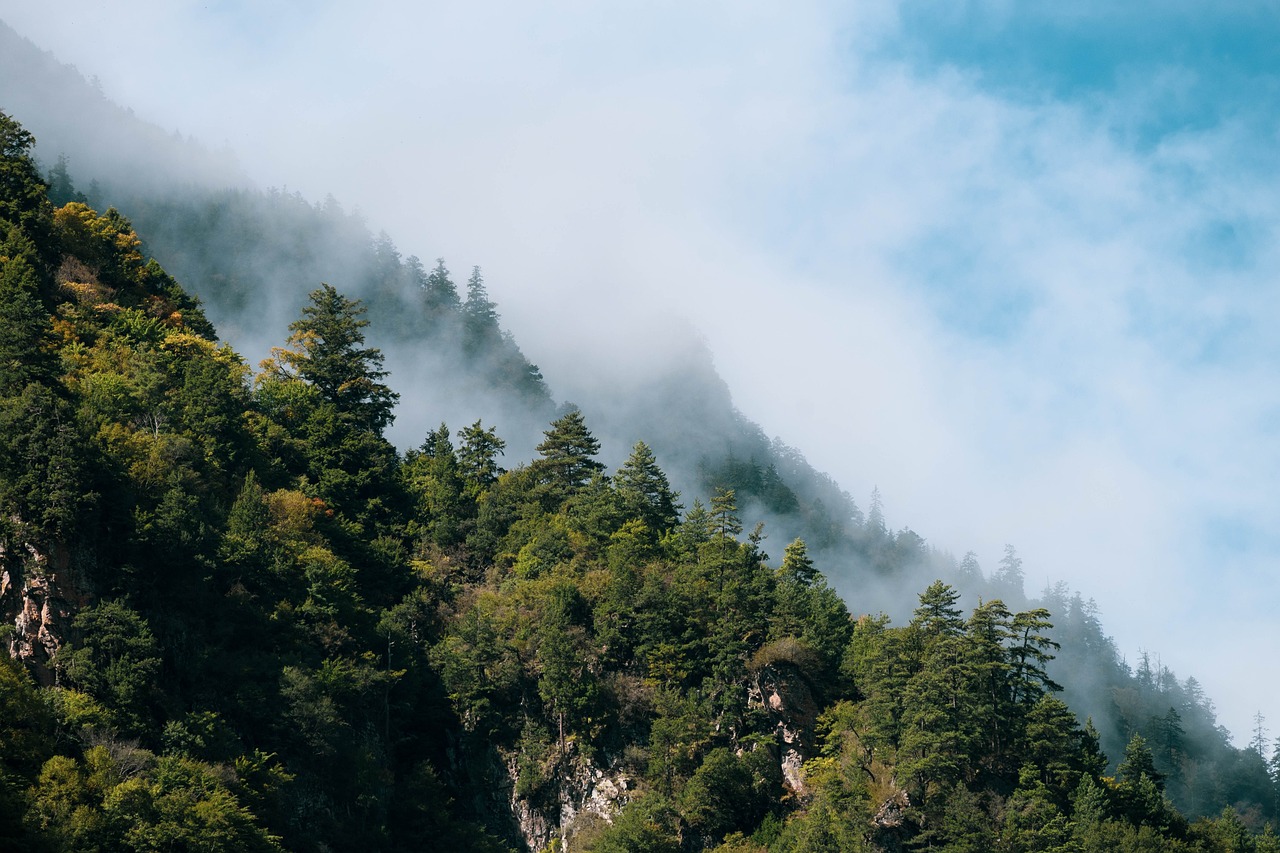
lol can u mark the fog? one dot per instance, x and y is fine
(1031, 314)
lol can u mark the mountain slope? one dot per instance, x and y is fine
(253, 257)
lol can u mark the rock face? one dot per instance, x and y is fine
(783, 692)
(39, 596)
(577, 797)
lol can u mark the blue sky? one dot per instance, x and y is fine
(1014, 264)
(1146, 73)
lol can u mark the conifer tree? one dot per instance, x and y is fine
(61, 190)
(435, 483)
(644, 491)
(937, 615)
(1008, 577)
(23, 199)
(480, 315)
(478, 456)
(797, 565)
(439, 295)
(875, 516)
(725, 524)
(568, 455)
(1138, 763)
(326, 350)
(25, 354)
(1029, 654)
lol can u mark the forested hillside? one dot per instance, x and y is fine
(244, 620)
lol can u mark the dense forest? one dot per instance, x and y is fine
(240, 616)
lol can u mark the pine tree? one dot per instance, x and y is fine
(1029, 654)
(988, 631)
(23, 199)
(25, 344)
(645, 492)
(480, 315)
(436, 486)
(439, 295)
(568, 455)
(1258, 743)
(875, 516)
(969, 569)
(61, 190)
(1008, 577)
(725, 524)
(797, 565)
(937, 615)
(326, 351)
(1137, 763)
(478, 456)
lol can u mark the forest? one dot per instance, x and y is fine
(240, 618)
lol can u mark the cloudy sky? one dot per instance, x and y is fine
(1014, 263)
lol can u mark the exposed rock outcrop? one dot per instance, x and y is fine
(39, 595)
(784, 693)
(575, 798)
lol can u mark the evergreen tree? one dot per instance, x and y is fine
(326, 351)
(435, 482)
(479, 314)
(478, 456)
(875, 516)
(567, 455)
(23, 199)
(26, 353)
(725, 525)
(116, 661)
(47, 467)
(1138, 763)
(994, 719)
(797, 565)
(1028, 656)
(1258, 743)
(439, 295)
(937, 616)
(61, 190)
(644, 491)
(1008, 577)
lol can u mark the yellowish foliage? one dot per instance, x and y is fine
(293, 516)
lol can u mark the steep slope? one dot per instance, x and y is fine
(57, 105)
(252, 256)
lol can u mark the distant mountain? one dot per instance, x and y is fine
(57, 105)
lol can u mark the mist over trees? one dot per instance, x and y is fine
(245, 619)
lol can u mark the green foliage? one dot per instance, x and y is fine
(439, 295)
(123, 798)
(729, 792)
(647, 825)
(26, 345)
(23, 200)
(25, 737)
(567, 457)
(326, 351)
(442, 508)
(644, 493)
(478, 457)
(116, 661)
(46, 468)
